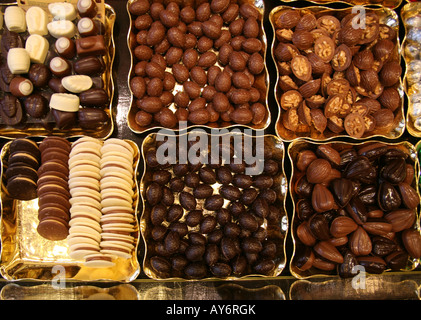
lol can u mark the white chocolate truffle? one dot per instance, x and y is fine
(77, 83)
(36, 21)
(62, 11)
(64, 102)
(18, 60)
(37, 47)
(14, 18)
(62, 28)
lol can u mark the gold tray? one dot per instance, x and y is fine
(261, 81)
(410, 10)
(278, 231)
(14, 291)
(27, 255)
(386, 16)
(385, 3)
(301, 144)
(46, 126)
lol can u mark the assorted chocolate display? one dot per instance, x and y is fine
(201, 64)
(354, 205)
(53, 66)
(335, 76)
(214, 218)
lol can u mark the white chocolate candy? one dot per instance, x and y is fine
(36, 21)
(37, 47)
(64, 102)
(62, 28)
(62, 11)
(18, 60)
(14, 18)
(77, 83)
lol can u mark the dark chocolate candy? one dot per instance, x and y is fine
(92, 118)
(94, 97)
(36, 105)
(90, 65)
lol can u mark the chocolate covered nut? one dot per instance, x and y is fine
(21, 87)
(93, 45)
(18, 60)
(65, 47)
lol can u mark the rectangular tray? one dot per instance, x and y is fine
(386, 16)
(410, 14)
(277, 231)
(27, 255)
(46, 126)
(261, 81)
(301, 144)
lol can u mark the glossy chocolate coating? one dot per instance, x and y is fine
(36, 105)
(95, 97)
(90, 65)
(90, 46)
(91, 118)
(39, 74)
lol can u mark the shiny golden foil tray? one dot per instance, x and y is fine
(372, 287)
(386, 16)
(261, 81)
(301, 144)
(27, 255)
(14, 291)
(413, 123)
(46, 126)
(277, 232)
(385, 3)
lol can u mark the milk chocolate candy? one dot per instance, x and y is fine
(36, 105)
(90, 46)
(14, 19)
(64, 102)
(86, 8)
(92, 118)
(62, 11)
(62, 28)
(21, 87)
(18, 60)
(65, 47)
(87, 27)
(36, 21)
(37, 47)
(90, 65)
(94, 97)
(60, 67)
